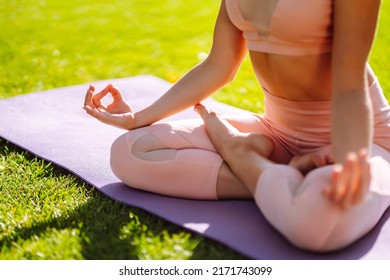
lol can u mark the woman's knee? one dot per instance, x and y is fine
(315, 217)
(326, 227)
(118, 157)
(295, 205)
(129, 158)
(188, 173)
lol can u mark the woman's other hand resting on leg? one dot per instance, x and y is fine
(351, 181)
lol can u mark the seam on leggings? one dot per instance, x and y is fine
(130, 148)
(191, 144)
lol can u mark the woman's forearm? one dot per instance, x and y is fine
(196, 85)
(352, 123)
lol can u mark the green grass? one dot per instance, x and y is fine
(46, 213)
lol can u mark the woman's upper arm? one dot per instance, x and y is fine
(228, 48)
(354, 31)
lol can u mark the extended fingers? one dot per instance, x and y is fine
(365, 170)
(92, 111)
(88, 96)
(353, 179)
(350, 181)
(124, 121)
(96, 99)
(359, 179)
(340, 188)
(98, 113)
(337, 188)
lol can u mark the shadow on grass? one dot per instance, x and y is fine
(101, 237)
(100, 222)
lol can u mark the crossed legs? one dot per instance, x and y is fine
(248, 154)
(177, 159)
(180, 160)
(308, 210)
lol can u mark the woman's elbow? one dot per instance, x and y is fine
(225, 68)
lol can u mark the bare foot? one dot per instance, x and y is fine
(350, 182)
(307, 162)
(246, 154)
(226, 137)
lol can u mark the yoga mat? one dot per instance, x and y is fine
(52, 125)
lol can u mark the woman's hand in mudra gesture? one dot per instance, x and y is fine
(118, 113)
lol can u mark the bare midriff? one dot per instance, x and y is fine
(296, 78)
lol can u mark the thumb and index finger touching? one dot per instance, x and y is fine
(114, 91)
(93, 100)
(93, 105)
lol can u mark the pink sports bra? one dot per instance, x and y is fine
(286, 27)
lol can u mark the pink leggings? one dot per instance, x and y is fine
(188, 165)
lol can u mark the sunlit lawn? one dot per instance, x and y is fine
(46, 213)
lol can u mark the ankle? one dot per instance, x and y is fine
(244, 144)
(261, 144)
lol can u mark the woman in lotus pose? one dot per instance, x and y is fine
(316, 162)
